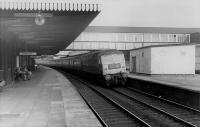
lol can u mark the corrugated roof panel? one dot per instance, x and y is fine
(50, 5)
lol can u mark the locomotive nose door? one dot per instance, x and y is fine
(100, 65)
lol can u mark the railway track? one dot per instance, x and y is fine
(154, 117)
(184, 113)
(119, 108)
(109, 112)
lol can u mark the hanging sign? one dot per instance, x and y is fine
(28, 53)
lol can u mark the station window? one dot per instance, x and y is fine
(147, 37)
(155, 37)
(188, 38)
(163, 37)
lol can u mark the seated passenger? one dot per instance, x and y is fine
(2, 83)
(22, 73)
(18, 73)
(27, 73)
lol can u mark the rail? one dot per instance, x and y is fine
(160, 111)
(181, 111)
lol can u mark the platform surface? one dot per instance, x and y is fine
(189, 82)
(47, 100)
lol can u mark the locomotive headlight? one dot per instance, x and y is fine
(107, 77)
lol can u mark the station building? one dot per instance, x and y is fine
(163, 60)
(46, 27)
(42, 28)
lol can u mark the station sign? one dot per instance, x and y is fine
(29, 15)
(35, 57)
(28, 53)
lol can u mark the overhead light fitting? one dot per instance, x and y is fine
(39, 19)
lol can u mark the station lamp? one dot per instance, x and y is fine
(39, 19)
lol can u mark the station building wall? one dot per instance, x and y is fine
(10, 46)
(195, 39)
(7, 60)
(197, 54)
(140, 61)
(163, 60)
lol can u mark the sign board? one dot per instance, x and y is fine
(35, 57)
(28, 53)
(48, 15)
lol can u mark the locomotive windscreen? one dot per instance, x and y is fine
(113, 62)
(113, 58)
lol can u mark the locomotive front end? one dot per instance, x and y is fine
(114, 68)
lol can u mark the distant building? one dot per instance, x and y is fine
(126, 38)
(166, 59)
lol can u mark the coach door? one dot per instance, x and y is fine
(133, 64)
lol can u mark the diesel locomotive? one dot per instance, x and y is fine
(106, 65)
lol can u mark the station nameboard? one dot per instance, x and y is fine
(48, 15)
(28, 53)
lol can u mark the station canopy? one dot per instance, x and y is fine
(46, 26)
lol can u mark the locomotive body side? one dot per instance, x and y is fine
(89, 63)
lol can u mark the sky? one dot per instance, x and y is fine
(149, 13)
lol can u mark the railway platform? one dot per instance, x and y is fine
(47, 100)
(188, 82)
(184, 89)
